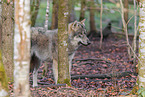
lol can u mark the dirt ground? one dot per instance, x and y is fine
(100, 73)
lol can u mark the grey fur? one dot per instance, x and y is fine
(44, 46)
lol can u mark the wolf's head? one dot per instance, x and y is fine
(77, 32)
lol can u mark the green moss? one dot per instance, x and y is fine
(67, 81)
(3, 77)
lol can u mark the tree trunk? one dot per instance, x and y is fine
(63, 64)
(7, 37)
(126, 10)
(34, 11)
(71, 16)
(82, 13)
(54, 23)
(22, 48)
(3, 77)
(135, 34)
(101, 12)
(141, 66)
(92, 17)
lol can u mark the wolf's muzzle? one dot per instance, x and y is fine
(85, 44)
(89, 42)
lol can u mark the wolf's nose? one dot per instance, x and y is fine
(89, 42)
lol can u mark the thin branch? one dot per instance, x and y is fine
(101, 24)
(125, 28)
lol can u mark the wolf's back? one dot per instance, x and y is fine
(41, 43)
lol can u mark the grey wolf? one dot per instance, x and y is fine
(44, 46)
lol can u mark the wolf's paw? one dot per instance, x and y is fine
(35, 85)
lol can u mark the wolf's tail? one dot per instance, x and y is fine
(34, 63)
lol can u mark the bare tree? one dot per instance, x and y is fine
(63, 64)
(7, 37)
(125, 29)
(22, 48)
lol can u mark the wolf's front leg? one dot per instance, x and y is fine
(55, 70)
(35, 73)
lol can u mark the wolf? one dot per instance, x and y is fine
(44, 46)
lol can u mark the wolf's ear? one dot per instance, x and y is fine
(74, 24)
(83, 21)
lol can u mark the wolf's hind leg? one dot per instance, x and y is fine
(35, 63)
(35, 73)
(55, 70)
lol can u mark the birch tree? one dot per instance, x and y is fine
(47, 15)
(63, 64)
(22, 48)
(141, 66)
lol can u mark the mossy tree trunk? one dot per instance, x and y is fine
(54, 23)
(63, 64)
(7, 37)
(141, 66)
(3, 77)
(34, 11)
(22, 48)
(82, 12)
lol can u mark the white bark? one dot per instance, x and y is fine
(22, 48)
(142, 45)
(47, 15)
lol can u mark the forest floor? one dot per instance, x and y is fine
(100, 73)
